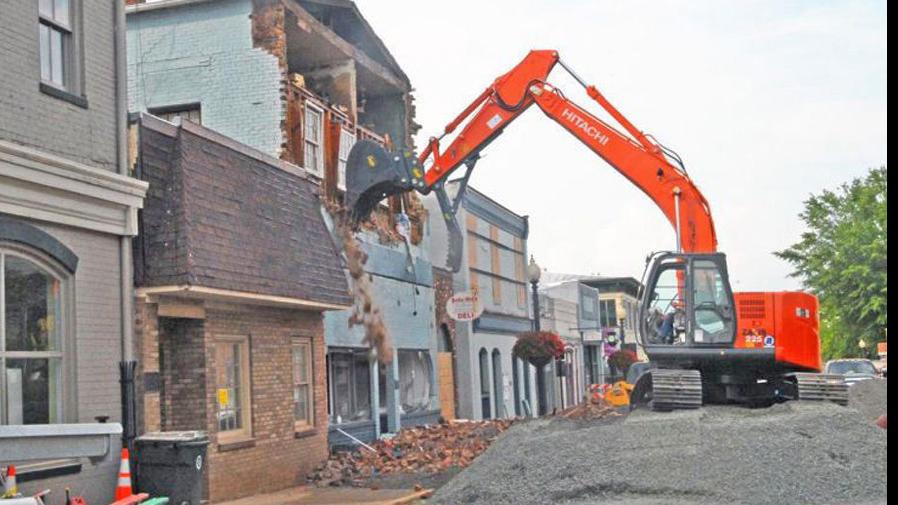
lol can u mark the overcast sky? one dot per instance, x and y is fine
(766, 101)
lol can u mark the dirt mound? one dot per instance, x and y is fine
(870, 398)
(796, 453)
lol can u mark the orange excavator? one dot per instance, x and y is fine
(705, 343)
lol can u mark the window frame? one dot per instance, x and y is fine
(352, 353)
(66, 403)
(309, 423)
(245, 432)
(341, 160)
(318, 169)
(72, 86)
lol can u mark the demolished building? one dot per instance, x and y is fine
(302, 81)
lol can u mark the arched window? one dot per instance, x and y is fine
(35, 314)
(498, 387)
(485, 402)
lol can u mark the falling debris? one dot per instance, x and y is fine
(364, 310)
(426, 449)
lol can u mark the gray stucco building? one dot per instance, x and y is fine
(68, 209)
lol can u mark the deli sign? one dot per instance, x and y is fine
(464, 307)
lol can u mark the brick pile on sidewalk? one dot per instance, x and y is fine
(425, 449)
(594, 408)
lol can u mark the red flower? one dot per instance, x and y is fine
(538, 347)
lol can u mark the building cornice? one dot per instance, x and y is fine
(39, 185)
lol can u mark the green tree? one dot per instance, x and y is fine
(842, 258)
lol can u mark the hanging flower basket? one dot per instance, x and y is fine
(538, 347)
(622, 359)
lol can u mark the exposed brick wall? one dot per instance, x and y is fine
(146, 351)
(442, 291)
(277, 457)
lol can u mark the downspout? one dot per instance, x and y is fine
(127, 366)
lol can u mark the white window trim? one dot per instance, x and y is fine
(305, 425)
(318, 169)
(66, 403)
(246, 417)
(341, 161)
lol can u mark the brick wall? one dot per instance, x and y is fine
(442, 292)
(203, 53)
(276, 457)
(31, 117)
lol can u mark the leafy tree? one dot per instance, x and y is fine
(842, 258)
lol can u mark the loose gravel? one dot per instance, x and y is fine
(795, 453)
(869, 397)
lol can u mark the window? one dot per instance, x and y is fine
(415, 371)
(178, 113)
(232, 388)
(608, 313)
(314, 140)
(712, 304)
(347, 140)
(55, 32)
(665, 315)
(349, 385)
(31, 337)
(303, 399)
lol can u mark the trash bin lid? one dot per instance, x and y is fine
(174, 437)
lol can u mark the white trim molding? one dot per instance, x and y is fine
(38, 185)
(226, 295)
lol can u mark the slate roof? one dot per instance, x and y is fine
(219, 214)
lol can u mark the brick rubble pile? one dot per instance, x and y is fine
(426, 449)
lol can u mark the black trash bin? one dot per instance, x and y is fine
(171, 463)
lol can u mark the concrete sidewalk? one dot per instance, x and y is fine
(335, 496)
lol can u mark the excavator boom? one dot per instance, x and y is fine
(373, 174)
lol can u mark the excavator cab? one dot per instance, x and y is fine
(687, 303)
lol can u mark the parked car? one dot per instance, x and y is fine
(854, 370)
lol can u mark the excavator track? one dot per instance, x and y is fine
(676, 389)
(821, 387)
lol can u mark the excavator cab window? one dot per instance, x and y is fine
(665, 313)
(711, 299)
(688, 301)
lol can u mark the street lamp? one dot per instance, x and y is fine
(533, 274)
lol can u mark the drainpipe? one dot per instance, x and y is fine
(128, 365)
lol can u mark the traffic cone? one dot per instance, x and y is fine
(123, 489)
(10, 489)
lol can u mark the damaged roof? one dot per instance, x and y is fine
(221, 215)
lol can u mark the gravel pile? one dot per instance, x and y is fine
(795, 453)
(869, 397)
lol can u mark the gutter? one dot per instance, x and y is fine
(121, 123)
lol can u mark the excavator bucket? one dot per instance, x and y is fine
(373, 173)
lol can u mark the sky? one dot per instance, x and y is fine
(767, 102)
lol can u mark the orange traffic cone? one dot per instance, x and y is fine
(9, 484)
(123, 489)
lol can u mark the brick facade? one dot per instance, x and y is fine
(276, 457)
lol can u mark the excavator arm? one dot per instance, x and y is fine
(373, 174)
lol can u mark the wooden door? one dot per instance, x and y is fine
(447, 384)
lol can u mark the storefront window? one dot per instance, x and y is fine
(349, 380)
(31, 356)
(415, 373)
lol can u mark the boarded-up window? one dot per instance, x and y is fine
(495, 265)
